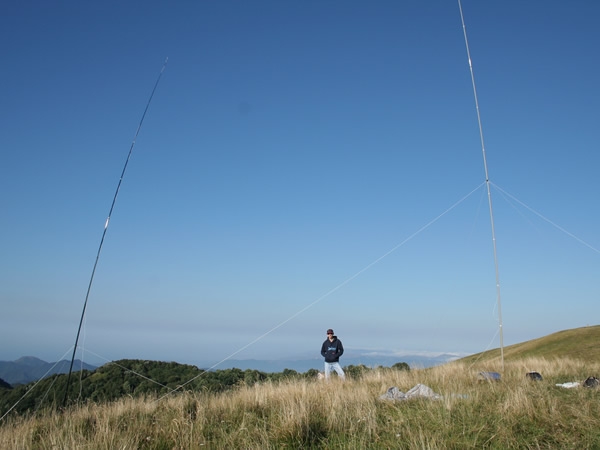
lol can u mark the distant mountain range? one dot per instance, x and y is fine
(28, 368)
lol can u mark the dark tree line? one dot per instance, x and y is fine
(139, 378)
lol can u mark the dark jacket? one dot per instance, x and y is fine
(332, 351)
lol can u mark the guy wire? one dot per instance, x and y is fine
(87, 295)
(331, 291)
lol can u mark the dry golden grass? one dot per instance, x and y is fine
(512, 413)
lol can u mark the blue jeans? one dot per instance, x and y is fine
(334, 366)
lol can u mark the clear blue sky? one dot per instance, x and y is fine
(288, 147)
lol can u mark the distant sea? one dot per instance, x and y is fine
(303, 365)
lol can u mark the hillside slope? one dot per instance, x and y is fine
(577, 343)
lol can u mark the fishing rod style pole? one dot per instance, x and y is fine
(87, 295)
(487, 183)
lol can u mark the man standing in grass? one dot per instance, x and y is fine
(331, 350)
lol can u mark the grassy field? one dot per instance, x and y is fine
(514, 412)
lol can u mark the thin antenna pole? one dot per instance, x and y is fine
(87, 295)
(487, 183)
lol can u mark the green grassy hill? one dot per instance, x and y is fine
(577, 343)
